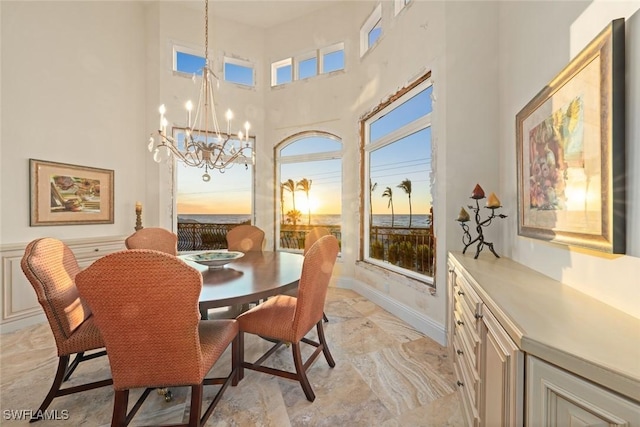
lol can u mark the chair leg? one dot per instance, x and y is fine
(324, 317)
(240, 373)
(323, 343)
(63, 362)
(121, 400)
(236, 363)
(196, 405)
(301, 373)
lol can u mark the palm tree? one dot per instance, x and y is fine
(406, 186)
(289, 185)
(293, 216)
(372, 188)
(388, 193)
(305, 185)
(282, 203)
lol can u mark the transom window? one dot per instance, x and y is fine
(398, 199)
(310, 64)
(371, 31)
(187, 60)
(239, 71)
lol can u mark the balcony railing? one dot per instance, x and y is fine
(410, 248)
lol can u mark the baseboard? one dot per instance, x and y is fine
(422, 323)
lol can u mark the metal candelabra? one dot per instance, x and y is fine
(467, 239)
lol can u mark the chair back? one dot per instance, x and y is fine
(51, 268)
(313, 235)
(317, 269)
(158, 239)
(145, 303)
(245, 238)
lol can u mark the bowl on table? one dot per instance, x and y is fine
(214, 259)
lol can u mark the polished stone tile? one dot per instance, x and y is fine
(386, 374)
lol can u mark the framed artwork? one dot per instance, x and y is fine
(571, 151)
(63, 194)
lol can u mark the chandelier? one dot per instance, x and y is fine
(201, 144)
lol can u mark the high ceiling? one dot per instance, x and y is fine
(261, 13)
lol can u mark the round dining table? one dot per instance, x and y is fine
(255, 276)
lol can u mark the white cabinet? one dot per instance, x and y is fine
(531, 351)
(558, 398)
(18, 300)
(487, 364)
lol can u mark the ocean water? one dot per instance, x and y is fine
(378, 220)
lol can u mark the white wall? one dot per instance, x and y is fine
(73, 85)
(537, 40)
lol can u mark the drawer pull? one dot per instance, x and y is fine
(460, 384)
(460, 322)
(96, 250)
(459, 351)
(460, 293)
(477, 316)
(451, 270)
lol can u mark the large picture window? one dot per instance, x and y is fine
(207, 210)
(397, 157)
(309, 180)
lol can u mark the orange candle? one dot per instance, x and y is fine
(493, 201)
(463, 216)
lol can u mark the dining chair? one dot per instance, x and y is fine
(145, 303)
(156, 238)
(285, 319)
(311, 237)
(245, 238)
(51, 268)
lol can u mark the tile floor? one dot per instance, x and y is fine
(387, 374)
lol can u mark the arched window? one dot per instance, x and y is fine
(309, 185)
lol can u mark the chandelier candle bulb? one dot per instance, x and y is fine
(493, 201)
(162, 110)
(189, 106)
(246, 128)
(228, 115)
(138, 207)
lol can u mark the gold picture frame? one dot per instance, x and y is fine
(571, 151)
(65, 194)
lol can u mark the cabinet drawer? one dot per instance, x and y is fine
(465, 293)
(467, 342)
(470, 410)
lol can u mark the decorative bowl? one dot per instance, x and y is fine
(214, 259)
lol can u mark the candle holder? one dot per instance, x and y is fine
(463, 218)
(138, 220)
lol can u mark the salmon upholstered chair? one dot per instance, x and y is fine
(245, 238)
(51, 268)
(311, 237)
(158, 239)
(145, 303)
(287, 319)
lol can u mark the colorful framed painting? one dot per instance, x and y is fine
(571, 151)
(64, 194)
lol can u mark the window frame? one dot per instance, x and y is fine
(423, 122)
(399, 5)
(275, 66)
(367, 27)
(241, 63)
(327, 50)
(301, 58)
(300, 158)
(189, 50)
